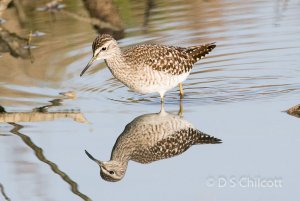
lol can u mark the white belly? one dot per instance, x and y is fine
(146, 80)
(155, 81)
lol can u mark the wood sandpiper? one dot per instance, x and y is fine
(148, 68)
(148, 138)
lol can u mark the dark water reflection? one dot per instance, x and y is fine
(294, 111)
(3, 193)
(238, 94)
(41, 156)
(38, 115)
(41, 114)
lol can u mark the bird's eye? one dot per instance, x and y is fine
(111, 172)
(103, 48)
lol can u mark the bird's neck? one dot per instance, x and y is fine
(120, 154)
(116, 63)
(121, 159)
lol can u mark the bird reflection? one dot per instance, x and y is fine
(149, 138)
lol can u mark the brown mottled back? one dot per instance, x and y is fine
(169, 59)
(178, 143)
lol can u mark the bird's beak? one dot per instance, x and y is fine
(88, 65)
(100, 163)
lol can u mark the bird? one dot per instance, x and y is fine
(148, 68)
(148, 138)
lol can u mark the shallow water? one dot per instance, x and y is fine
(237, 93)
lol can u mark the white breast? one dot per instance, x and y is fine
(150, 81)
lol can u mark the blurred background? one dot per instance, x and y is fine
(49, 115)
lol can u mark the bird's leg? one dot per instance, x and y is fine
(180, 112)
(162, 100)
(180, 90)
(162, 109)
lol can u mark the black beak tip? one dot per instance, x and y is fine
(89, 155)
(87, 66)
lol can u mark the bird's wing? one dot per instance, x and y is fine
(179, 142)
(168, 59)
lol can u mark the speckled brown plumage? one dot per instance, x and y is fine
(149, 138)
(153, 137)
(169, 59)
(148, 68)
(176, 144)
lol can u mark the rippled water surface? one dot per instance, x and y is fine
(237, 93)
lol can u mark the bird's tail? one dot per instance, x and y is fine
(207, 139)
(199, 52)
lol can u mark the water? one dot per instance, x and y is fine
(237, 94)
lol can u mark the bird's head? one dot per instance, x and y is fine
(111, 170)
(104, 47)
